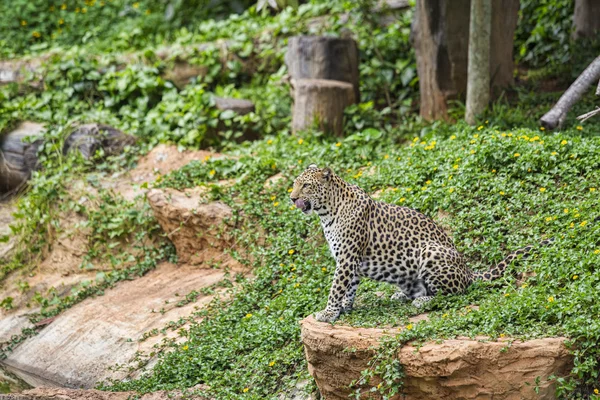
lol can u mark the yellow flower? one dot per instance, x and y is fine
(324, 269)
(455, 166)
(582, 224)
(592, 189)
(554, 153)
(517, 155)
(245, 390)
(524, 285)
(402, 200)
(493, 171)
(479, 128)
(271, 363)
(290, 190)
(542, 128)
(273, 197)
(502, 335)
(23, 23)
(300, 141)
(506, 294)
(596, 391)
(136, 5)
(542, 190)
(292, 251)
(269, 141)
(248, 315)
(63, 7)
(408, 189)
(275, 204)
(379, 385)
(472, 151)
(564, 142)
(548, 219)
(550, 299)
(575, 277)
(566, 210)
(572, 225)
(445, 315)
(84, 10)
(476, 135)
(212, 172)
(206, 158)
(428, 182)
(36, 34)
(409, 326)
(452, 137)
(502, 193)
(184, 348)
(338, 144)
(299, 161)
(579, 128)
(450, 190)
(503, 135)
(386, 157)
(596, 251)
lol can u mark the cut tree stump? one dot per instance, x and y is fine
(321, 101)
(557, 115)
(320, 57)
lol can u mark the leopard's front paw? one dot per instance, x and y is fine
(400, 296)
(326, 316)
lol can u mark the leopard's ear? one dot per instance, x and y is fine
(313, 166)
(327, 173)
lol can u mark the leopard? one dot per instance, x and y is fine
(384, 242)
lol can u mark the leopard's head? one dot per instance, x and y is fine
(311, 188)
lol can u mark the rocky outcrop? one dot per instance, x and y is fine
(451, 369)
(78, 347)
(199, 231)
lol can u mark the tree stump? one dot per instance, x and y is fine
(440, 34)
(320, 57)
(321, 101)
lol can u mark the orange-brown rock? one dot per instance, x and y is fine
(199, 230)
(451, 369)
(92, 394)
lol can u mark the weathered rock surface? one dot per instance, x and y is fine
(199, 231)
(239, 106)
(91, 394)
(452, 369)
(77, 348)
(18, 154)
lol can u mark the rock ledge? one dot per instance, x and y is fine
(458, 368)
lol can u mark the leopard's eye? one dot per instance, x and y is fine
(305, 185)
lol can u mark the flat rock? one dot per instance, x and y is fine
(451, 369)
(240, 106)
(76, 349)
(92, 394)
(199, 230)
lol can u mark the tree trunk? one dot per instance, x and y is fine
(440, 34)
(18, 157)
(556, 116)
(320, 57)
(478, 84)
(323, 102)
(586, 18)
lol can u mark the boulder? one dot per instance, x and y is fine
(459, 368)
(199, 230)
(18, 154)
(78, 347)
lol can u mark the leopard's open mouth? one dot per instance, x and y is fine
(303, 205)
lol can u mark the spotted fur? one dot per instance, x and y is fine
(384, 242)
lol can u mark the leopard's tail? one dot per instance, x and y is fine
(498, 270)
